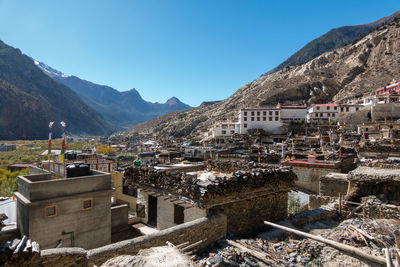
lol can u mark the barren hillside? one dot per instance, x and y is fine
(353, 70)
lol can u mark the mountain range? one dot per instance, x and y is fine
(351, 71)
(29, 100)
(123, 109)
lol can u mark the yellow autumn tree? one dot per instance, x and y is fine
(104, 150)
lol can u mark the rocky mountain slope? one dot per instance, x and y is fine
(354, 70)
(120, 108)
(30, 99)
(335, 38)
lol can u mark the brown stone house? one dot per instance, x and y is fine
(247, 195)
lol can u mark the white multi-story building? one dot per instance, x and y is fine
(293, 113)
(224, 129)
(268, 119)
(323, 112)
(349, 108)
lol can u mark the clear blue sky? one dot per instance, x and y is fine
(195, 50)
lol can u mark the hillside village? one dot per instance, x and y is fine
(214, 198)
(307, 175)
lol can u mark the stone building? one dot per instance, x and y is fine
(247, 195)
(65, 212)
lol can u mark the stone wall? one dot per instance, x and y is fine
(332, 184)
(308, 178)
(208, 229)
(373, 208)
(246, 217)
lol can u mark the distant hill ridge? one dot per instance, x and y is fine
(123, 109)
(30, 99)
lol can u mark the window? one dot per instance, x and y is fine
(270, 118)
(276, 118)
(258, 118)
(258, 113)
(245, 118)
(50, 211)
(276, 113)
(264, 113)
(357, 109)
(245, 113)
(252, 113)
(179, 214)
(87, 204)
(328, 108)
(245, 125)
(252, 118)
(316, 114)
(129, 190)
(223, 132)
(270, 113)
(333, 114)
(335, 108)
(264, 118)
(317, 108)
(341, 109)
(347, 109)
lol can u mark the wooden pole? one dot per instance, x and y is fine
(340, 204)
(348, 249)
(397, 238)
(388, 260)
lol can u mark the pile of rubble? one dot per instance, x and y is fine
(369, 235)
(207, 185)
(17, 251)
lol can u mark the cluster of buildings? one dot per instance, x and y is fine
(274, 120)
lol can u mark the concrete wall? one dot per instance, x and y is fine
(37, 187)
(119, 218)
(92, 228)
(308, 178)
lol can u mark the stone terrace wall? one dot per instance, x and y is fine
(209, 229)
(231, 180)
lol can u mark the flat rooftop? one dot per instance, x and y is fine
(364, 173)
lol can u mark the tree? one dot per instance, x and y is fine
(9, 181)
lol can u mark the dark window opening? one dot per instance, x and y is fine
(129, 190)
(179, 217)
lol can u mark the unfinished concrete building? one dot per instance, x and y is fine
(247, 195)
(67, 212)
